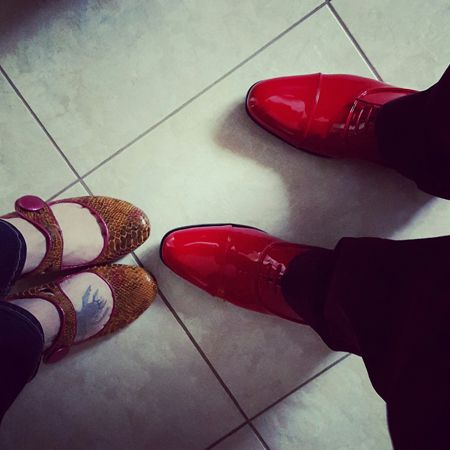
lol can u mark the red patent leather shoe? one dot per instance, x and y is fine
(240, 264)
(330, 115)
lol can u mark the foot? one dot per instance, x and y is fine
(77, 232)
(239, 264)
(82, 243)
(87, 304)
(330, 115)
(92, 300)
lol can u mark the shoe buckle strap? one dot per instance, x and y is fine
(68, 320)
(38, 213)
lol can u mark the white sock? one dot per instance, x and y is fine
(82, 237)
(92, 299)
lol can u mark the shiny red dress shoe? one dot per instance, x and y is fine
(331, 115)
(239, 264)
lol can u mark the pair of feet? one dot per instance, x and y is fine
(83, 235)
(240, 264)
(86, 233)
(329, 115)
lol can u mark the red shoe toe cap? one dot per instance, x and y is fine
(196, 255)
(284, 105)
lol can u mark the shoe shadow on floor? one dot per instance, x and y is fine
(327, 199)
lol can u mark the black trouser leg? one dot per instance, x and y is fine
(13, 252)
(413, 135)
(389, 302)
(21, 345)
(21, 336)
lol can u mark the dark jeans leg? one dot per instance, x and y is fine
(389, 302)
(21, 336)
(13, 252)
(21, 346)
(414, 137)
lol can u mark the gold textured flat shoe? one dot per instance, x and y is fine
(132, 289)
(124, 228)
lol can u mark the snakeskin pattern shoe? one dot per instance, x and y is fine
(132, 289)
(124, 228)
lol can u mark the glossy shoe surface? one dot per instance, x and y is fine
(330, 115)
(239, 264)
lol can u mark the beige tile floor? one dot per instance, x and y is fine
(143, 100)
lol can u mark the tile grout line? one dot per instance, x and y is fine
(317, 375)
(235, 430)
(230, 433)
(61, 191)
(249, 421)
(46, 132)
(204, 90)
(353, 40)
(212, 368)
(80, 178)
(202, 353)
(195, 343)
(258, 435)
